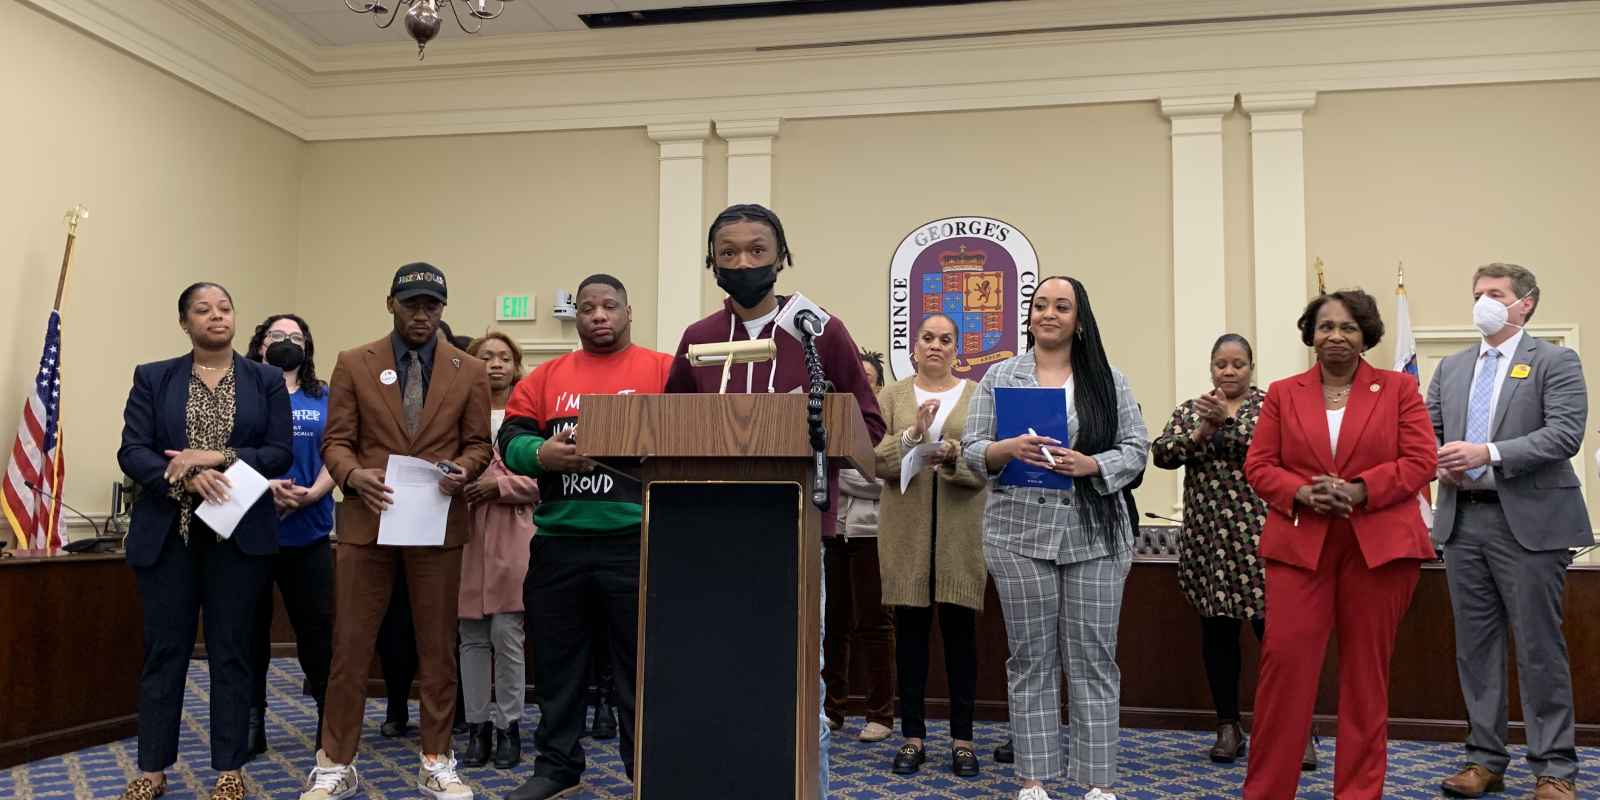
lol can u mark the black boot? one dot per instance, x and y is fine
(480, 743)
(507, 747)
(258, 731)
(605, 721)
(396, 720)
(1006, 753)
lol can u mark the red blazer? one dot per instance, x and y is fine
(1386, 440)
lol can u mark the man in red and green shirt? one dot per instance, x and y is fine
(585, 557)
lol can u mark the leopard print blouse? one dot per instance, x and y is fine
(209, 416)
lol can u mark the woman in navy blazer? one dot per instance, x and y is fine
(177, 440)
(1340, 453)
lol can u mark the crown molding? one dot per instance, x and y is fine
(1028, 54)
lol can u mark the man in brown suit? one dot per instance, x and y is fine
(410, 393)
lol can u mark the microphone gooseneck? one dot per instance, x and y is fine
(818, 389)
(32, 487)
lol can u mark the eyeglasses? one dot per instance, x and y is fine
(273, 337)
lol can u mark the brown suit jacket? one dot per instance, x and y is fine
(366, 423)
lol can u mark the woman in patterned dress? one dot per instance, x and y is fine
(1218, 567)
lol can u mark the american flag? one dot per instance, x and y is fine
(1405, 360)
(36, 456)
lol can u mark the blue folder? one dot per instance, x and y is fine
(1045, 410)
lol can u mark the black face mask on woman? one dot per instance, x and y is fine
(286, 355)
(747, 287)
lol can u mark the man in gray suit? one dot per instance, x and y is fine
(1509, 414)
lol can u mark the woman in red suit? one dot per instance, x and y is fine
(1340, 454)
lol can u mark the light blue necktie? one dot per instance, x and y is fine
(1478, 416)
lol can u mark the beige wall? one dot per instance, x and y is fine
(1450, 178)
(514, 213)
(1089, 185)
(180, 186)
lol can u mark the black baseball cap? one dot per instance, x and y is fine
(419, 278)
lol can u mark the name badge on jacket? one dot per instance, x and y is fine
(1520, 371)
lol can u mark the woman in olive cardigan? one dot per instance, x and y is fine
(930, 543)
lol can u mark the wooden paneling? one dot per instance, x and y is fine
(71, 645)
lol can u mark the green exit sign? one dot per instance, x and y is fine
(513, 308)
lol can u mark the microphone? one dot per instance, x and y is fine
(801, 318)
(48, 496)
(1154, 515)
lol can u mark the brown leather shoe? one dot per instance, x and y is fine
(1475, 780)
(1554, 789)
(1230, 743)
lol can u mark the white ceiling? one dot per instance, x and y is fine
(329, 22)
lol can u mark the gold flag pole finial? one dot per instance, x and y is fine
(74, 215)
(1322, 281)
(1400, 273)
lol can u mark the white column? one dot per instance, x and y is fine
(679, 227)
(1278, 187)
(749, 158)
(1199, 272)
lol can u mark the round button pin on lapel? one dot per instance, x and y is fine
(1373, 388)
(388, 377)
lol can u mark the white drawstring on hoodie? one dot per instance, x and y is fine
(750, 367)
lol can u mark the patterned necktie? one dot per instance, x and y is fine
(412, 399)
(1478, 416)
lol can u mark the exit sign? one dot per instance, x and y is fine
(513, 308)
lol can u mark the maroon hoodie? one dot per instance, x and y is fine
(841, 363)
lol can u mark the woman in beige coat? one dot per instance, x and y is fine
(930, 544)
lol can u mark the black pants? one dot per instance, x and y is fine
(1219, 643)
(397, 648)
(571, 578)
(304, 576)
(601, 684)
(913, 629)
(226, 583)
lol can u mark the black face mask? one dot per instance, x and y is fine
(286, 355)
(747, 287)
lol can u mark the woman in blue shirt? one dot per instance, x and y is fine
(303, 567)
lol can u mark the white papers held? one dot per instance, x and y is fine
(245, 487)
(417, 514)
(916, 460)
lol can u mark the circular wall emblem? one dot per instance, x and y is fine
(980, 272)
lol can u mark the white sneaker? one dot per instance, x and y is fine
(1099, 794)
(874, 732)
(1033, 793)
(438, 779)
(330, 781)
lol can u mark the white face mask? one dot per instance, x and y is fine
(1489, 315)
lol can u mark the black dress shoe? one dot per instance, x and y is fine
(908, 760)
(258, 731)
(480, 743)
(540, 787)
(394, 728)
(605, 722)
(1230, 743)
(507, 747)
(964, 762)
(460, 727)
(1006, 753)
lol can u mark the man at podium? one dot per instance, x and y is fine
(585, 556)
(747, 249)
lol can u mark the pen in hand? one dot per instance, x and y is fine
(1043, 449)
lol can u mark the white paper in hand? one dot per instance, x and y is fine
(916, 460)
(418, 512)
(245, 487)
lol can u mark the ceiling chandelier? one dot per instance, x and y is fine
(423, 19)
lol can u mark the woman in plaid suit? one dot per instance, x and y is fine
(1060, 558)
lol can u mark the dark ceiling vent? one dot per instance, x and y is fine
(718, 13)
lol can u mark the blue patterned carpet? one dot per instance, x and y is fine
(1155, 764)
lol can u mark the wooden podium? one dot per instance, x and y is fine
(729, 584)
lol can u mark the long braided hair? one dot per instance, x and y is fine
(1094, 394)
(748, 212)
